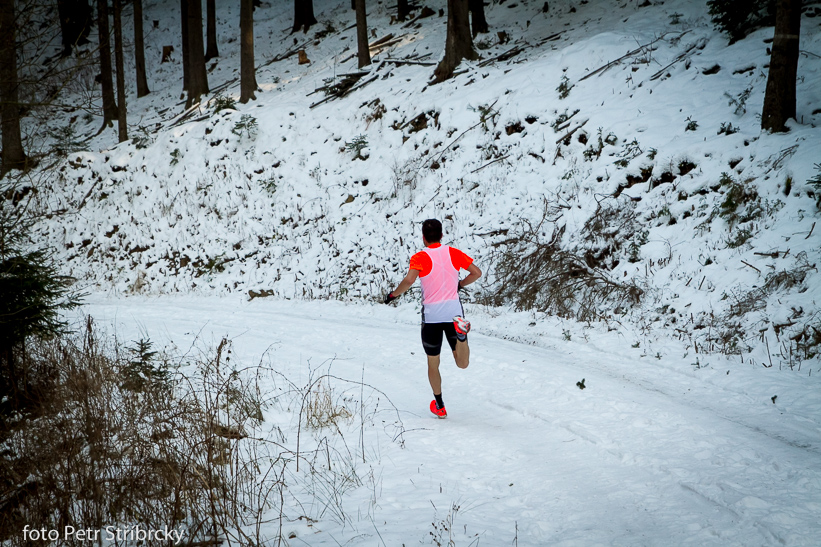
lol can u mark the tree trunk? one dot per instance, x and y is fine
(364, 53)
(248, 76)
(139, 50)
(779, 98)
(211, 33)
(303, 15)
(13, 156)
(186, 58)
(402, 10)
(459, 44)
(109, 103)
(122, 121)
(477, 17)
(197, 76)
(75, 23)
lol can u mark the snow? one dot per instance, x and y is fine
(652, 451)
(670, 441)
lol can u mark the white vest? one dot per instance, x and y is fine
(440, 288)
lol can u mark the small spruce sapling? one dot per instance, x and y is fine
(357, 145)
(740, 100)
(692, 125)
(815, 182)
(247, 125)
(564, 87)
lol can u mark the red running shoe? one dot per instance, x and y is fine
(440, 412)
(461, 325)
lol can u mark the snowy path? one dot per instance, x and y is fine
(648, 454)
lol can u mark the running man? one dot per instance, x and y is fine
(437, 267)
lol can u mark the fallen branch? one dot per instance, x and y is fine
(489, 163)
(750, 265)
(462, 134)
(570, 133)
(774, 254)
(681, 56)
(400, 62)
(514, 51)
(640, 49)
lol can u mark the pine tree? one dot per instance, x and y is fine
(779, 98)
(122, 120)
(197, 76)
(211, 50)
(248, 77)
(459, 43)
(478, 22)
(13, 156)
(303, 15)
(75, 23)
(32, 295)
(738, 18)
(139, 50)
(402, 10)
(363, 51)
(109, 103)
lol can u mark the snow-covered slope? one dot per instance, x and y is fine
(627, 107)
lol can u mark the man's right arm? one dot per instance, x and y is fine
(403, 286)
(474, 273)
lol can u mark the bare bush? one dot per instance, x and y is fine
(534, 271)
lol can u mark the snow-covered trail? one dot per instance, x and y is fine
(649, 453)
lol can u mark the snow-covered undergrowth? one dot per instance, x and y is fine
(630, 132)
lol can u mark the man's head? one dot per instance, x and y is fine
(432, 230)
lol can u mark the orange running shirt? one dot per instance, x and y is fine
(421, 261)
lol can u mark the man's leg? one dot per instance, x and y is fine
(461, 354)
(433, 374)
(459, 345)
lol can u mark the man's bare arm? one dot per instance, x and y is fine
(406, 283)
(474, 273)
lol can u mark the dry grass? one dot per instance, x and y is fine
(123, 436)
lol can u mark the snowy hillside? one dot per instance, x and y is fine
(626, 132)
(645, 345)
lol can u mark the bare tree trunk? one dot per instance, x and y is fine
(303, 15)
(402, 10)
(459, 44)
(779, 98)
(477, 17)
(139, 50)
(197, 77)
(211, 33)
(13, 156)
(75, 23)
(186, 57)
(363, 51)
(248, 76)
(109, 103)
(122, 120)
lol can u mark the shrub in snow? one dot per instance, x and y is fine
(738, 18)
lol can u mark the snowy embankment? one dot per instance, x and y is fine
(653, 451)
(627, 129)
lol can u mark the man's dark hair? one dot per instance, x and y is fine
(432, 230)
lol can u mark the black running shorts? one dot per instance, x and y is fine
(432, 337)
